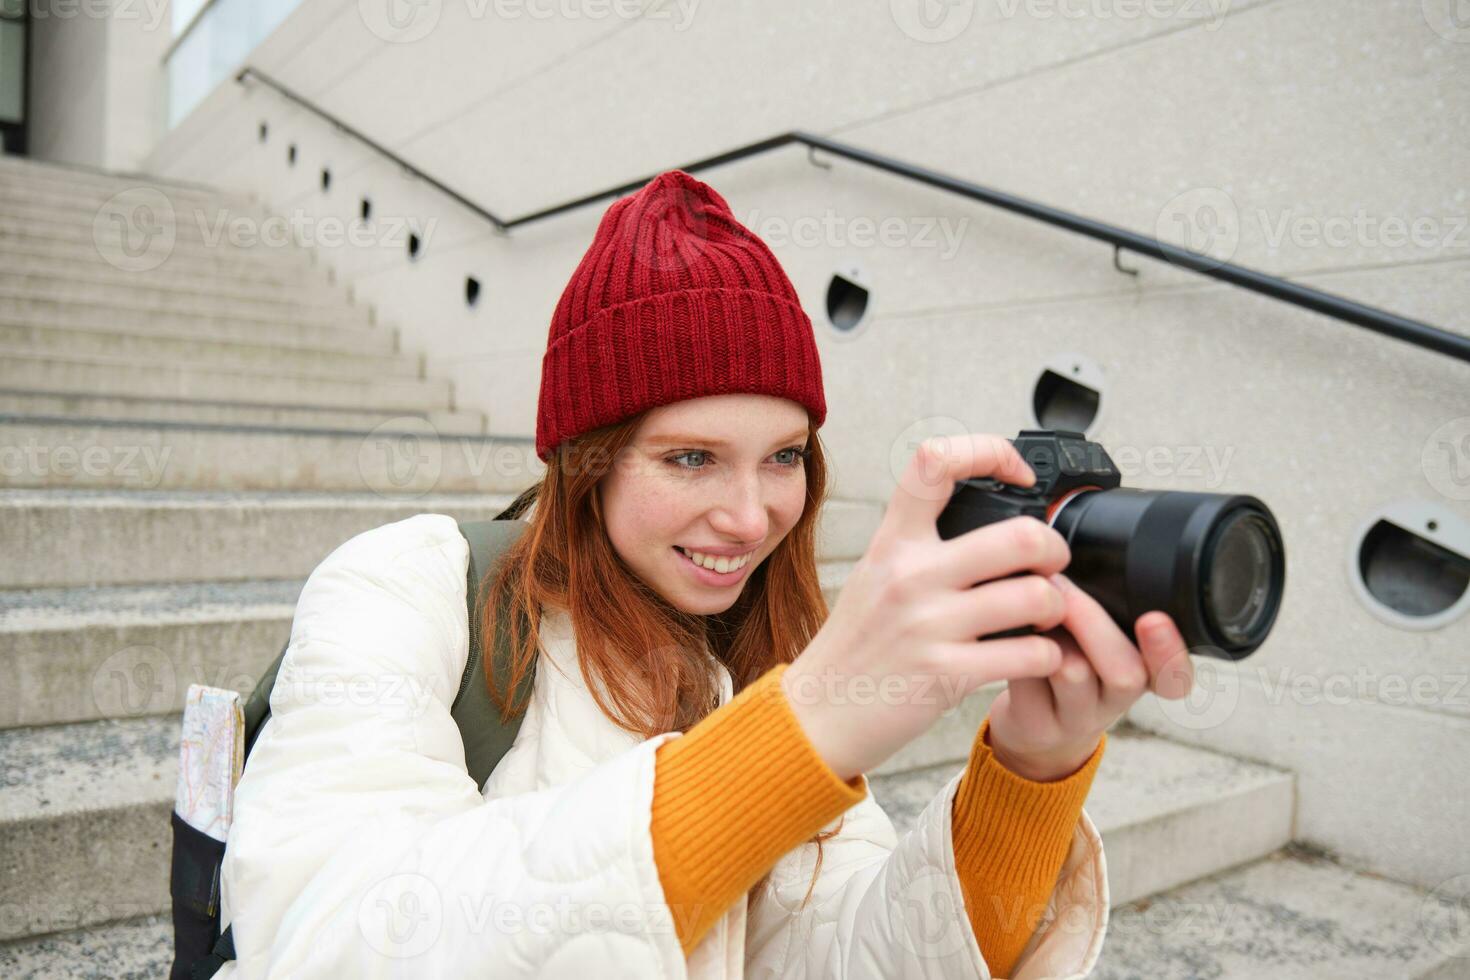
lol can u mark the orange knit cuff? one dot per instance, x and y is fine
(1011, 836)
(734, 794)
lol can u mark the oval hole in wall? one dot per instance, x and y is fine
(1067, 394)
(291, 154)
(366, 210)
(326, 179)
(264, 132)
(1411, 565)
(413, 245)
(471, 291)
(846, 302)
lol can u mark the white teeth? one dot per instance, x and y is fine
(716, 564)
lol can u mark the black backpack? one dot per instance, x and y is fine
(200, 949)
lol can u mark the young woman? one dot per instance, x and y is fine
(687, 794)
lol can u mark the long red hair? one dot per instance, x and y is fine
(566, 560)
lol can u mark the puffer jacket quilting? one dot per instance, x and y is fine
(361, 846)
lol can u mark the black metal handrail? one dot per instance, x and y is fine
(1380, 321)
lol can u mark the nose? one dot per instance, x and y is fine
(740, 515)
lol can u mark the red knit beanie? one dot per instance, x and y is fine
(674, 299)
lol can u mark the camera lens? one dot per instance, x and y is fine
(1238, 576)
(1214, 562)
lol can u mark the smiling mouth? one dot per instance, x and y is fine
(731, 571)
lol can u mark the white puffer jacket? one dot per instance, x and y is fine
(362, 848)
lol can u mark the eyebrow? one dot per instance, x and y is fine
(689, 440)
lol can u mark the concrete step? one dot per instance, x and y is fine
(122, 287)
(1294, 915)
(203, 217)
(245, 267)
(1168, 813)
(47, 188)
(84, 823)
(88, 538)
(66, 203)
(285, 334)
(163, 347)
(84, 812)
(23, 175)
(70, 655)
(134, 252)
(182, 314)
(402, 457)
(22, 371)
(134, 949)
(99, 409)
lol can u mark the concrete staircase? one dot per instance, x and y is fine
(180, 445)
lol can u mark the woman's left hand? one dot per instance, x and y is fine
(1045, 729)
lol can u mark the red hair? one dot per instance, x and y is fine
(566, 560)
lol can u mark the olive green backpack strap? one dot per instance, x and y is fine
(486, 738)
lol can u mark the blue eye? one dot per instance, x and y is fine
(795, 461)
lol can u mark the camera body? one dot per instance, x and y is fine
(1214, 562)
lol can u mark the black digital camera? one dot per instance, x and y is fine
(1214, 562)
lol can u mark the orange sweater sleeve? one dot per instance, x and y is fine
(1011, 836)
(731, 796)
(745, 785)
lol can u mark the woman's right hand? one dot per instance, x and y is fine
(900, 647)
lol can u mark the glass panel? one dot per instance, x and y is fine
(183, 11)
(219, 43)
(12, 71)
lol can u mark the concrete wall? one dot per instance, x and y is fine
(97, 81)
(1326, 140)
